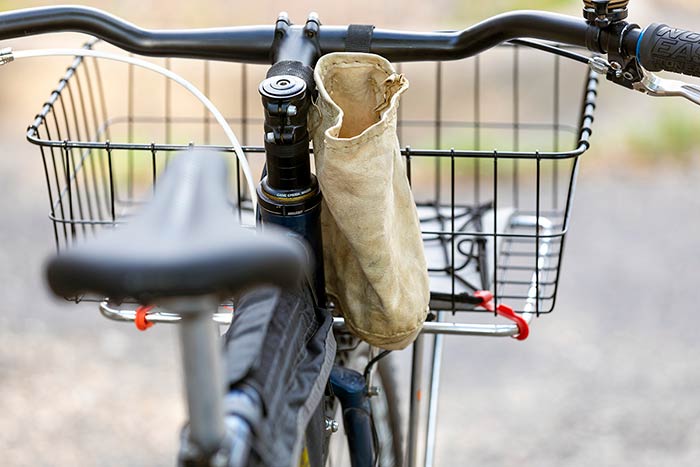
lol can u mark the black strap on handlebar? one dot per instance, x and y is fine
(359, 38)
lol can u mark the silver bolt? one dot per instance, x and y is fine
(373, 391)
(270, 137)
(6, 56)
(617, 68)
(188, 450)
(628, 76)
(292, 110)
(332, 425)
(220, 459)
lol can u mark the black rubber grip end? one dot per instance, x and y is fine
(663, 48)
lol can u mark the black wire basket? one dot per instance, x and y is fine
(492, 147)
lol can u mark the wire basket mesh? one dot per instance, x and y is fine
(492, 147)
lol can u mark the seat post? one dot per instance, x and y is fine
(202, 371)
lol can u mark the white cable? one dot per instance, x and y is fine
(169, 74)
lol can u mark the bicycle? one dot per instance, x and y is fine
(604, 30)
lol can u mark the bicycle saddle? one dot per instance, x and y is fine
(185, 242)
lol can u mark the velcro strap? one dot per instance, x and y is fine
(359, 38)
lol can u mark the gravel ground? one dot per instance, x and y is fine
(610, 378)
(75, 389)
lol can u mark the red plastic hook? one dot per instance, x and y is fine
(505, 311)
(140, 319)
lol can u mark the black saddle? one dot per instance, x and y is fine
(185, 242)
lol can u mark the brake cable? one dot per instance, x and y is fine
(553, 49)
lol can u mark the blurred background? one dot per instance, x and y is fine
(610, 378)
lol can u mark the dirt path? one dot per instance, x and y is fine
(611, 377)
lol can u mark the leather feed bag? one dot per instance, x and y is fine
(376, 272)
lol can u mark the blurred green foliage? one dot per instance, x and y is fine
(674, 134)
(473, 10)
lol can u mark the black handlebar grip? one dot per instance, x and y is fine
(663, 48)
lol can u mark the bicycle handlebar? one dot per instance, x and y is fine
(246, 44)
(658, 47)
(253, 44)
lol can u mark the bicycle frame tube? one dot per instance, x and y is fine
(350, 388)
(204, 386)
